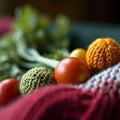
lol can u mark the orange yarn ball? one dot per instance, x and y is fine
(102, 53)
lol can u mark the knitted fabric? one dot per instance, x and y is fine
(102, 53)
(97, 99)
(61, 102)
(108, 78)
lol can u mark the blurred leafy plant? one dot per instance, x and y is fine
(32, 30)
(40, 31)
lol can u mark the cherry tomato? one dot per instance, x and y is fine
(79, 53)
(9, 90)
(71, 70)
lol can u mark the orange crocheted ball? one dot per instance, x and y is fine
(102, 53)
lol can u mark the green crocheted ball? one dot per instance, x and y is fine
(34, 78)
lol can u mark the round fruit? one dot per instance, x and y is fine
(9, 90)
(79, 53)
(71, 70)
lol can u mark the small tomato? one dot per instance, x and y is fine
(79, 53)
(9, 90)
(71, 70)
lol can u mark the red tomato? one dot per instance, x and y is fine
(9, 90)
(71, 70)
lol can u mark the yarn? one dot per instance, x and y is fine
(97, 99)
(62, 102)
(102, 53)
(107, 80)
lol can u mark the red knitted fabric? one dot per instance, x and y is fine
(61, 102)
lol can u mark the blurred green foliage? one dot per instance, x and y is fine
(33, 30)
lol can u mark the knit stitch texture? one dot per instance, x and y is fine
(108, 77)
(62, 102)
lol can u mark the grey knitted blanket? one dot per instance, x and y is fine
(107, 80)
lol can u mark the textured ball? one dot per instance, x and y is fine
(35, 78)
(102, 53)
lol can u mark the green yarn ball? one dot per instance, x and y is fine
(34, 78)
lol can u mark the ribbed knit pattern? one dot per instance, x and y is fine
(61, 102)
(110, 76)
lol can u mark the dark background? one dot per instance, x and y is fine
(78, 10)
